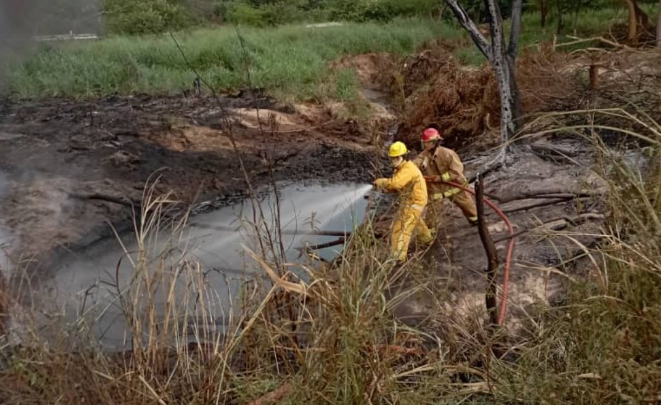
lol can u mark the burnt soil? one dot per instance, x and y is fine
(69, 169)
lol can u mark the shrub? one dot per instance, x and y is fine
(379, 10)
(145, 16)
(265, 15)
(245, 14)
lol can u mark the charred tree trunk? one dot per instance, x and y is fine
(543, 12)
(501, 56)
(491, 252)
(558, 4)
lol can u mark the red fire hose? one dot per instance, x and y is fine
(510, 250)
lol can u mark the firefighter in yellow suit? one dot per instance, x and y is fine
(443, 164)
(409, 182)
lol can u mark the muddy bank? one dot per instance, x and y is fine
(74, 167)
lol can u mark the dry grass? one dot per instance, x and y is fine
(602, 347)
(464, 102)
(433, 87)
(328, 335)
(460, 100)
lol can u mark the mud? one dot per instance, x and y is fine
(544, 258)
(75, 167)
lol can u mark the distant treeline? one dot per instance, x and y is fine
(155, 16)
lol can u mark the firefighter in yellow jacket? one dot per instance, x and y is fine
(409, 182)
(443, 164)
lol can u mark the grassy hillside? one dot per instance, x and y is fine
(291, 61)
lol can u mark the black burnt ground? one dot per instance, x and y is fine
(56, 151)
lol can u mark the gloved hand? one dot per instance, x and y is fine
(437, 197)
(380, 183)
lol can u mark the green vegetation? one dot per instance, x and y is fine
(150, 16)
(153, 16)
(289, 61)
(583, 23)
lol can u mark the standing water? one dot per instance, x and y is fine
(90, 284)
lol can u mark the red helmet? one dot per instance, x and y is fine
(430, 134)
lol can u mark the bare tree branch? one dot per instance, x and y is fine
(496, 27)
(516, 28)
(469, 25)
(500, 56)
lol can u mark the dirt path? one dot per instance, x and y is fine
(68, 168)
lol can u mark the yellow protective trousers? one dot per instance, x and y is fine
(405, 225)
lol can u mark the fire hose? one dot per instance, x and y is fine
(510, 250)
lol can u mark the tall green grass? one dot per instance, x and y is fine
(291, 61)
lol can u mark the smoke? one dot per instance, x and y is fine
(22, 18)
(22, 21)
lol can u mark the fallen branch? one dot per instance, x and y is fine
(320, 246)
(107, 198)
(544, 204)
(531, 195)
(545, 152)
(574, 221)
(536, 205)
(597, 39)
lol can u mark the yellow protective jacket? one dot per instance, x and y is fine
(409, 183)
(441, 162)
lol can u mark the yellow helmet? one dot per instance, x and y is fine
(397, 149)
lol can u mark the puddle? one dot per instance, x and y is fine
(93, 280)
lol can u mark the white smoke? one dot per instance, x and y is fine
(22, 21)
